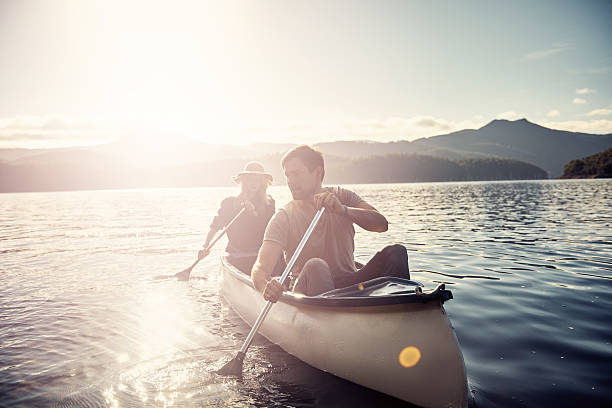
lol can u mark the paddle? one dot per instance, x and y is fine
(184, 275)
(234, 366)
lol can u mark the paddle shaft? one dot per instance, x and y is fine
(210, 245)
(214, 241)
(284, 276)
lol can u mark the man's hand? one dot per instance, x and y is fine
(330, 201)
(273, 290)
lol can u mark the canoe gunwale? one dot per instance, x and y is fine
(439, 294)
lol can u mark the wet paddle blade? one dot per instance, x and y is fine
(234, 366)
(184, 275)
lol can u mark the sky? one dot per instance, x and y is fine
(85, 72)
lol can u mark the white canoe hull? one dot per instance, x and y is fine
(362, 344)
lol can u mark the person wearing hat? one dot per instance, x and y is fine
(245, 236)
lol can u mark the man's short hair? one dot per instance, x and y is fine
(311, 158)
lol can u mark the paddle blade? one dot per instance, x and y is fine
(184, 275)
(234, 366)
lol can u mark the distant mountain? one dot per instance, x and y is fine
(525, 141)
(596, 166)
(520, 140)
(12, 154)
(146, 162)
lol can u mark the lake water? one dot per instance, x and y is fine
(83, 322)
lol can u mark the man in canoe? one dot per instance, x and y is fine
(327, 260)
(245, 236)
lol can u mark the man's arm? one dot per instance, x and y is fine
(368, 217)
(261, 274)
(364, 215)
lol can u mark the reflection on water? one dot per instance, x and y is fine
(83, 322)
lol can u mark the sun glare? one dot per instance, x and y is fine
(161, 326)
(173, 71)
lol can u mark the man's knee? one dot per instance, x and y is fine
(315, 278)
(397, 258)
(316, 267)
(396, 253)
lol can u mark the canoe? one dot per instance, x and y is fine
(386, 334)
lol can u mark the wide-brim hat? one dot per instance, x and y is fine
(255, 168)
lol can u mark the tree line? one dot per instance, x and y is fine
(598, 165)
(402, 168)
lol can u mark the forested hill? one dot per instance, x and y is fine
(403, 168)
(598, 165)
(520, 140)
(104, 172)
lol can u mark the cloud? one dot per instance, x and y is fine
(579, 101)
(600, 112)
(585, 91)
(422, 126)
(32, 137)
(373, 129)
(54, 131)
(540, 54)
(429, 122)
(510, 115)
(553, 113)
(599, 126)
(49, 122)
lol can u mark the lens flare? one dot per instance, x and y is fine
(409, 356)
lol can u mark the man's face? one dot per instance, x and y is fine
(302, 182)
